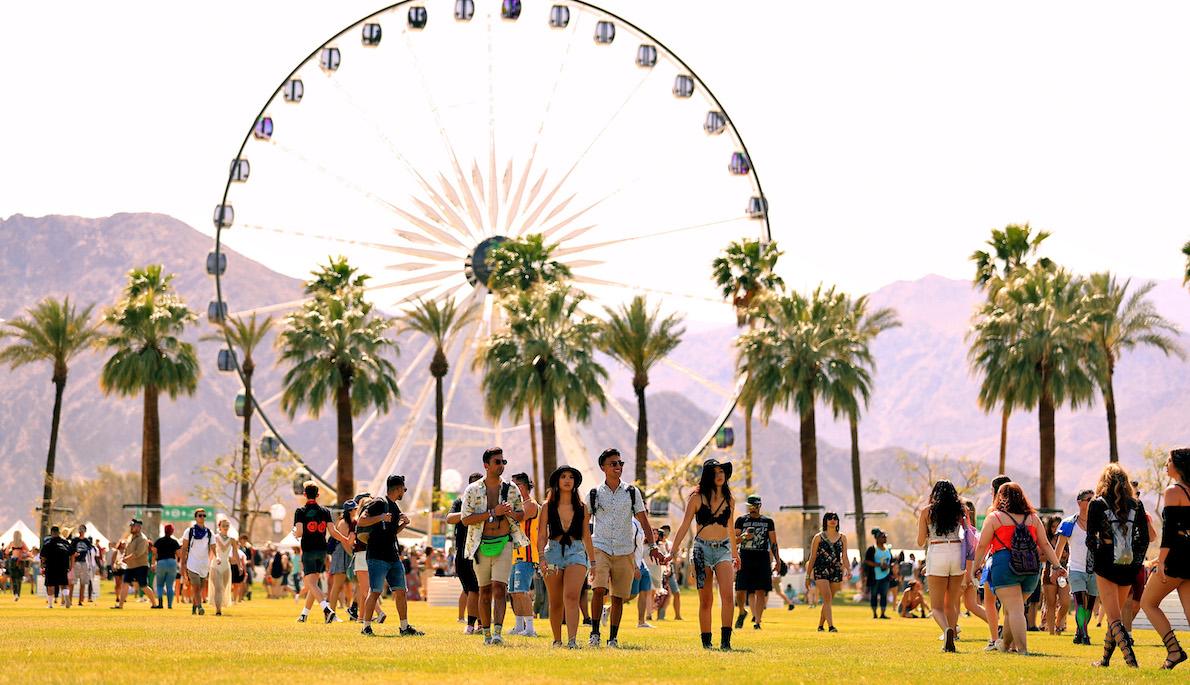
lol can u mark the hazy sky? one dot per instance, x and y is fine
(889, 136)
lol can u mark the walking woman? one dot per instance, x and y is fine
(1117, 538)
(341, 558)
(166, 548)
(17, 554)
(1173, 560)
(225, 555)
(1055, 594)
(564, 546)
(1016, 562)
(941, 524)
(715, 547)
(970, 586)
(826, 566)
(878, 564)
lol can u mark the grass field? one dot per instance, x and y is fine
(261, 642)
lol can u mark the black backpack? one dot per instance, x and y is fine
(1023, 559)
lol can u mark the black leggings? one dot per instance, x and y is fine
(16, 584)
(880, 592)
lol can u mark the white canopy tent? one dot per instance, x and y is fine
(97, 536)
(27, 534)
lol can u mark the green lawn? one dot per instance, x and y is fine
(260, 641)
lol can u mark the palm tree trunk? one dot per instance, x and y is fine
(1004, 439)
(151, 460)
(748, 448)
(345, 484)
(533, 452)
(642, 438)
(857, 490)
(246, 449)
(549, 440)
(1109, 402)
(809, 455)
(1048, 450)
(47, 495)
(438, 437)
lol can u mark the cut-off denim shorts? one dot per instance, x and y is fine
(561, 556)
(707, 555)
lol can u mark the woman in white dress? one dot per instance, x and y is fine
(226, 553)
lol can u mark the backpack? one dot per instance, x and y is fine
(1023, 559)
(594, 498)
(1129, 541)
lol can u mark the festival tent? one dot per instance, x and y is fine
(27, 535)
(99, 538)
(289, 542)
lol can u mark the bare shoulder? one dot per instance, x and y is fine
(1176, 495)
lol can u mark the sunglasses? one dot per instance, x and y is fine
(200, 516)
(498, 461)
(614, 464)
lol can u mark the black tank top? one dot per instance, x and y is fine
(705, 517)
(554, 522)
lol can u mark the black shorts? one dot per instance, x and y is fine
(466, 570)
(138, 575)
(56, 578)
(313, 562)
(756, 574)
(237, 576)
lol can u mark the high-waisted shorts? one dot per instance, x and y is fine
(945, 559)
(561, 556)
(707, 555)
(1002, 574)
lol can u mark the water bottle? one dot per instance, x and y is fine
(1062, 582)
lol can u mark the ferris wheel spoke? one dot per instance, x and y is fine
(632, 287)
(620, 411)
(645, 236)
(577, 215)
(714, 387)
(270, 308)
(315, 236)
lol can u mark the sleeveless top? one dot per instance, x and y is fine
(554, 524)
(196, 556)
(1175, 536)
(1003, 535)
(705, 517)
(829, 554)
(935, 537)
(222, 548)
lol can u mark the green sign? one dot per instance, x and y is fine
(184, 514)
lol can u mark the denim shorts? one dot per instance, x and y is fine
(707, 555)
(644, 583)
(561, 556)
(521, 579)
(1084, 582)
(1002, 575)
(380, 571)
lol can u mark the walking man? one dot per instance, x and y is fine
(383, 521)
(493, 511)
(759, 556)
(1083, 584)
(196, 559)
(136, 563)
(82, 549)
(55, 564)
(613, 506)
(524, 567)
(310, 522)
(464, 567)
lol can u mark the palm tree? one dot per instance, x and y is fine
(852, 389)
(334, 346)
(638, 338)
(1035, 335)
(244, 335)
(148, 357)
(804, 347)
(546, 359)
(517, 264)
(54, 331)
(1011, 249)
(1122, 322)
(1186, 252)
(440, 322)
(745, 272)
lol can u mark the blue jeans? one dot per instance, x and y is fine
(522, 577)
(167, 572)
(879, 592)
(381, 571)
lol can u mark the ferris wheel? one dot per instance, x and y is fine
(417, 138)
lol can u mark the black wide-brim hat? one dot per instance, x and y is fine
(557, 474)
(712, 463)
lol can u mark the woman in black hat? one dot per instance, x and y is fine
(711, 507)
(564, 546)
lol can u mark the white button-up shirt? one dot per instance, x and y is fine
(475, 500)
(612, 519)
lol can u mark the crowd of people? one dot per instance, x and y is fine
(580, 555)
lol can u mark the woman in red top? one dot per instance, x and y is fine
(1011, 588)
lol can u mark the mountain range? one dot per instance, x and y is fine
(924, 400)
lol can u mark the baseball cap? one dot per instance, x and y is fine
(754, 500)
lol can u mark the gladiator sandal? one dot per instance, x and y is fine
(1109, 648)
(1124, 640)
(1172, 647)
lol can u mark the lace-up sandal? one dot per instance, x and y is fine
(1172, 647)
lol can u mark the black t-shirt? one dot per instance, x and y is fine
(167, 547)
(382, 536)
(313, 518)
(81, 547)
(56, 554)
(460, 529)
(754, 537)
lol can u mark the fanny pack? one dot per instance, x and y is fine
(493, 547)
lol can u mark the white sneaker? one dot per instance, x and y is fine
(643, 625)
(497, 639)
(528, 633)
(469, 630)
(514, 631)
(606, 615)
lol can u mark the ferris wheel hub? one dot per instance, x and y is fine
(475, 268)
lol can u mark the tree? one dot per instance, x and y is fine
(149, 357)
(852, 391)
(334, 347)
(1011, 249)
(744, 273)
(1121, 322)
(53, 331)
(1035, 336)
(1152, 478)
(244, 335)
(546, 359)
(517, 264)
(440, 322)
(803, 348)
(99, 500)
(913, 491)
(269, 472)
(638, 338)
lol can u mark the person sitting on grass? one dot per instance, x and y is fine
(913, 600)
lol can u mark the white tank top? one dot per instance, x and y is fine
(197, 559)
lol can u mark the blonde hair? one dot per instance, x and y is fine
(1115, 487)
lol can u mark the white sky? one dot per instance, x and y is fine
(890, 137)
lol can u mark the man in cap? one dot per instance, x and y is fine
(759, 556)
(82, 548)
(524, 567)
(464, 567)
(136, 563)
(384, 521)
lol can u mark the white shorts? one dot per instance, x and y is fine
(360, 564)
(945, 559)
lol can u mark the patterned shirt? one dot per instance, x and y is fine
(475, 501)
(612, 519)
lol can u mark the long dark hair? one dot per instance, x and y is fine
(829, 516)
(1181, 463)
(553, 519)
(946, 510)
(707, 487)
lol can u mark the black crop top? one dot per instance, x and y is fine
(705, 517)
(554, 523)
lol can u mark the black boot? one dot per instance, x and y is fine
(706, 641)
(725, 639)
